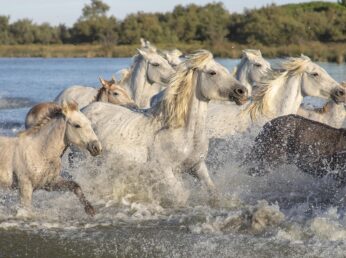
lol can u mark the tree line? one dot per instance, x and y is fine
(271, 25)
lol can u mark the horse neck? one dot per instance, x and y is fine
(138, 80)
(51, 138)
(286, 96)
(197, 114)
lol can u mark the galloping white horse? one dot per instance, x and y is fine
(111, 91)
(172, 135)
(277, 94)
(284, 92)
(32, 160)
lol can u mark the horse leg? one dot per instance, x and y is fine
(25, 192)
(201, 172)
(69, 185)
(174, 186)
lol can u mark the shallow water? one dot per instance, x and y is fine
(283, 214)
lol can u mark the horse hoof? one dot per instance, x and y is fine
(90, 210)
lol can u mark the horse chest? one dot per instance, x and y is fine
(39, 168)
(177, 147)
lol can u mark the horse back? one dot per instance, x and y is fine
(294, 135)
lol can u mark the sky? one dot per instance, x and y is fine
(68, 11)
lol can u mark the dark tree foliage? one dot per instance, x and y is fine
(94, 25)
(212, 23)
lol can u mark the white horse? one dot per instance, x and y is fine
(172, 135)
(278, 94)
(149, 74)
(332, 113)
(283, 93)
(32, 160)
(110, 91)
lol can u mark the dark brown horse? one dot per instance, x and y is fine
(313, 147)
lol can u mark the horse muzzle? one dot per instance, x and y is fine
(94, 147)
(239, 95)
(339, 95)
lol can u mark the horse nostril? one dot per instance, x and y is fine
(340, 93)
(94, 148)
(239, 91)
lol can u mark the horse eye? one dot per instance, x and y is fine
(212, 72)
(258, 65)
(115, 93)
(314, 74)
(155, 64)
(77, 126)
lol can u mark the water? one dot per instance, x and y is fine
(284, 214)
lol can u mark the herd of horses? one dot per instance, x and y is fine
(157, 115)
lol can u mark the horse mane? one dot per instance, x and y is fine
(175, 105)
(260, 104)
(296, 65)
(52, 112)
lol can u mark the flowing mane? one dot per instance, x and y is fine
(52, 112)
(260, 104)
(296, 65)
(175, 104)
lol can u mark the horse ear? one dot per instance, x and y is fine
(244, 53)
(114, 79)
(142, 42)
(103, 82)
(142, 52)
(64, 107)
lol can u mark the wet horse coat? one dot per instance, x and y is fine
(313, 147)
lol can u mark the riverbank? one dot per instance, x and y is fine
(331, 52)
